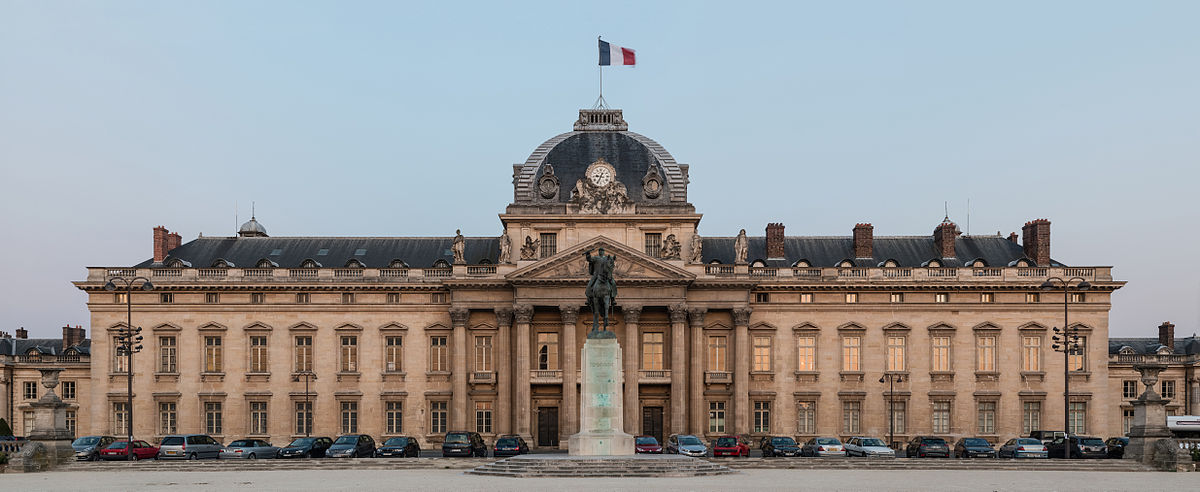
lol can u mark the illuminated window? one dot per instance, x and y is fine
(851, 297)
(987, 297)
(547, 352)
(985, 350)
(807, 348)
(941, 354)
(941, 297)
(717, 352)
(652, 351)
(1031, 352)
(1078, 297)
(258, 354)
(716, 417)
(762, 354)
(895, 354)
(851, 353)
(806, 297)
(439, 354)
(393, 354)
(1032, 298)
(897, 297)
(212, 354)
(304, 354)
(1077, 359)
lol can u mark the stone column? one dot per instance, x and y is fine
(696, 373)
(503, 358)
(1193, 405)
(632, 315)
(523, 314)
(569, 417)
(741, 371)
(679, 369)
(458, 371)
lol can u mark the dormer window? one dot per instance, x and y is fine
(397, 264)
(1163, 350)
(714, 262)
(846, 264)
(220, 263)
(175, 263)
(758, 264)
(353, 263)
(265, 263)
(1126, 350)
(934, 264)
(802, 264)
(1023, 263)
(485, 261)
(441, 264)
(890, 264)
(309, 264)
(979, 263)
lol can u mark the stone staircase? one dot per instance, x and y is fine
(585, 466)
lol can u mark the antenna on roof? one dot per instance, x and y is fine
(968, 216)
(946, 208)
(235, 216)
(251, 209)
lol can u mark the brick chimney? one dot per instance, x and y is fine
(1036, 235)
(73, 335)
(22, 333)
(864, 241)
(943, 238)
(775, 247)
(1013, 238)
(173, 241)
(1166, 334)
(160, 244)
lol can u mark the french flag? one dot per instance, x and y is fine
(611, 54)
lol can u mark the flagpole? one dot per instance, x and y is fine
(600, 68)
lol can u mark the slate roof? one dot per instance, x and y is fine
(1188, 346)
(907, 251)
(245, 252)
(631, 154)
(46, 346)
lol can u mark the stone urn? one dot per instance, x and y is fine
(50, 381)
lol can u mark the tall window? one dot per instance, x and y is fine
(807, 348)
(1031, 417)
(71, 421)
(652, 351)
(119, 360)
(304, 417)
(716, 417)
(120, 418)
(212, 354)
(850, 354)
(1129, 389)
(168, 418)
(212, 417)
(895, 354)
(1077, 416)
(653, 244)
(851, 417)
(349, 353)
(393, 353)
(166, 355)
(483, 417)
(30, 390)
(941, 354)
(68, 390)
(394, 414)
(718, 350)
(549, 244)
(437, 417)
(1168, 389)
(258, 417)
(349, 417)
(762, 354)
(941, 417)
(1126, 420)
(547, 351)
(1031, 354)
(762, 417)
(1077, 359)
(899, 414)
(304, 354)
(987, 417)
(985, 350)
(806, 417)
(258, 354)
(483, 354)
(439, 354)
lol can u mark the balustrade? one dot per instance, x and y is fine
(987, 272)
(941, 272)
(852, 272)
(166, 272)
(719, 270)
(806, 272)
(393, 272)
(481, 270)
(213, 272)
(897, 273)
(438, 272)
(763, 271)
(305, 273)
(347, 273)
(258, 273)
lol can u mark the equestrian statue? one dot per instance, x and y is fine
(601, 291)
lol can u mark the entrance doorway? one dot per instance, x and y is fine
(652, 422)
(547, 426)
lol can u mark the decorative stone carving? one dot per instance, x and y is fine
(741, 316)
(632, 314)
(697, 255)
(548, 184)
(458, 316)
(523, 313)
(652, 183)
(741, 248)
(530, 250)
(505, 249)
(670, 248)
(459, 248)
(697, 315)
(504, 316)
(599, 192)
(679, 313)
(569, 313)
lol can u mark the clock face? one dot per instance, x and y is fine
(600, 176)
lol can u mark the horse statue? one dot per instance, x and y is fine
(601, 291)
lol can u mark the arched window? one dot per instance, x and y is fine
(220, 263)
(265, 263)
(309, 264)
(802, 264)
(714, 262)
(397, 263)
(890, 264)
(354, 263)
(758, 264)
(934, 264)
(441, 264)
(485, 261)
(846, 264)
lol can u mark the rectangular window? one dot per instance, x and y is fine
(258, 418)
(1168, 390)
(653, 244)
(212, 354)
(1031, 354)
(806, 297)
(762, 297)
(762, 354)
(941, 417)
(68, 390)
(652, 351)
(168, 418)
(71, 421)
(166, 355)
(851, 297)
(897, 297)
(393, 298)
(1077, 359)
(1031, 417)
(304, 417)
(716, 417)
(212, 297)
(483, 417)
(31, 391)
(349, 417)
(806, 417)
(807, 348)
(987, 417)
(393, 353)
(1126, 420)
(437, 298)
(439, 354)
(302, 298)
(394, 414)
(437, 417)
(304, 354)
(1129, 389)
(1078, 297)
(941, 297)
(850, 354)
(1032, 298)
(985, 348)
(1077, 416)
(899, 416)
(258, 298)
(212, 417)
(718, 350)
(258, 354)
(349, 353)
(762, 417)
(895, 354)
(121, 298)
(119, 360)
(347, 298)
(483, 354)
(549, 244)
(941, 354)
(166, 298)
(987, 297)
(851, 417)
(547, 351)
(27, 422)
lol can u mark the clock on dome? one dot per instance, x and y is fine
(601, 173)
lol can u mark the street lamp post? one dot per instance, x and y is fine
(307, 375)
(892, 378)
(1067, 341)
(129, 341)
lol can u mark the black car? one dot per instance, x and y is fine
(974, 447)
(1080, 447)
(306, 447)
(927, 447)
(88, 448)
(403, 447)
(469, 444)
(1116, 446)
(510, 445)
(352, 446)
(779, 446)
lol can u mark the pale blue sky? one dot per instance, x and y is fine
(385, 118)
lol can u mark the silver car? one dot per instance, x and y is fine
(687, 445)
(1023, 447)
(823, 446)
(249, 449)
(868, 447)
(189, 447)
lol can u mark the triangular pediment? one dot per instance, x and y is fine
(631, 265)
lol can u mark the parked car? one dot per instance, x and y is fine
(119, 450)
(868, 447)
(687, 445)
(1023, 447)
(823, 446)
(779, 446)
(1046, 436)
(189, 447)
(1116, 446)
(306, 447)
(927, 447)
(731, 446)
(87, 448)
(1079, 446)
(402, 446)
(974, 447)
(468, 444)
(510, 445)
(249, 449)
(647, 445)
(352, 446)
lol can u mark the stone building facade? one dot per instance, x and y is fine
(20, 380)
(1179, 382)
(742, 334)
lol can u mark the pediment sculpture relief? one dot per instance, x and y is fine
(599, 191)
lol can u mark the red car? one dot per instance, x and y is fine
(731, 446)
(646, 444)
(119, 450)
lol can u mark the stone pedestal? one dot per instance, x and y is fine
(601, 404)
(1150, 440)
(50, 440)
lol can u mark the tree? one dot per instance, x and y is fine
(5, 430)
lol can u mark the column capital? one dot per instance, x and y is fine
(569, 313)
(459, 315)
(523, 313)
(696, 315)
(504, 316)
(632, 313)
(741, 316)
(679, 313)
